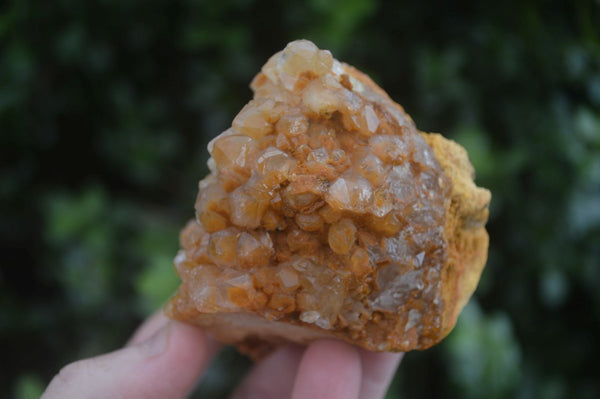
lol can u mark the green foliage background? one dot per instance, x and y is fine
(106, 107)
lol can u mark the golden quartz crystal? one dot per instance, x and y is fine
(327, 214)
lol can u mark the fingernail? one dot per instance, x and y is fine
(157, 343)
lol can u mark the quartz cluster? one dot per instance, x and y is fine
(327, 213)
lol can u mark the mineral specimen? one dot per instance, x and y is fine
(328, 214)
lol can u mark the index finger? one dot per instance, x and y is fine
(378, 369)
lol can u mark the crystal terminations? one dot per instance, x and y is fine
(328, 214)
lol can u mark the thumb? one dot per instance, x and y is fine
(165, 365)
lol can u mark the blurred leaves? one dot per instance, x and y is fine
(484, 357)
(336, 20)
(87, 231)
(158, 281)
(29, 386)
(82, 229)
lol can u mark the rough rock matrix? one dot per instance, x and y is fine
(328, 214)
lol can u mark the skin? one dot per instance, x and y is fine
(165, 358)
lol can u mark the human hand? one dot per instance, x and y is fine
(164, 358)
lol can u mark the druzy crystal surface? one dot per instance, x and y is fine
(325, 208)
